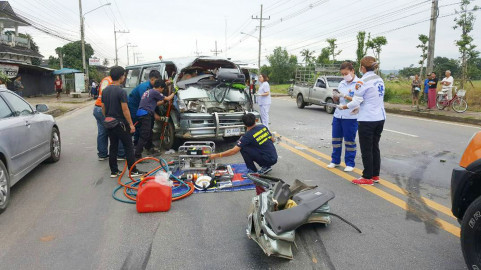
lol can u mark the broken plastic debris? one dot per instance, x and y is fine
(442, 160)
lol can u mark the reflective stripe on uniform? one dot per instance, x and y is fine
(336, 145)
(351, 149)
(349, 143)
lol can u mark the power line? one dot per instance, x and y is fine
(361, 23)
(297, 13)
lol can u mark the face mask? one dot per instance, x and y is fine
(348, 77)
(360, 71)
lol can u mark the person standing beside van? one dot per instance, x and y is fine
(264, 99)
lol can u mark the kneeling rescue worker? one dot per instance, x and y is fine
(257, 145)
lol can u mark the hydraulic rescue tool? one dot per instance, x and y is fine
(193, 157)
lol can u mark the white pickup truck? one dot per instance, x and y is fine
(319, 93)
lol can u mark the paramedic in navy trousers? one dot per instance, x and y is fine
(344, 122)
(368, 100)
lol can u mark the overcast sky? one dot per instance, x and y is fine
(172, 28)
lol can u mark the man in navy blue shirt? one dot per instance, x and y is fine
(136, 95)
(257, 145)
(145, 114)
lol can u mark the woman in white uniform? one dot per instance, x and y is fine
(369, 101)
(264, 99)
(344, 122)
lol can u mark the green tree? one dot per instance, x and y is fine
(73, 54)
(376, 45)
(106, 62)
(409, 71)
(308, 56)
(424, 52)
(282, 66)
(474, 66)
(332, 48)
(361, 47)
(441, 64)
(323, 58)
(465, 22)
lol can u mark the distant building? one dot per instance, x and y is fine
(16, 55)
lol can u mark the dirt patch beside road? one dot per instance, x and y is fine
(63, 105)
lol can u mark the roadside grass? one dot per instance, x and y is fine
(279, 88)
(399, 92)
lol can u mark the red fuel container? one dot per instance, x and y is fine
(153, 197)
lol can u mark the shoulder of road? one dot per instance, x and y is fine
(66, 103)
(468, 117)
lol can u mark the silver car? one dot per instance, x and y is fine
(28, 138)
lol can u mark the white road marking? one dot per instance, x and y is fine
(402, 133)
(435, 121)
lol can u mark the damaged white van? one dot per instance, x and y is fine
(210, 101)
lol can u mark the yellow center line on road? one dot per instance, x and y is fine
(390, 198)
(434, 205)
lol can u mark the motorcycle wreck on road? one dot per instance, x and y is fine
(275, 214)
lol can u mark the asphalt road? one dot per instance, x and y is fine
(62, 215)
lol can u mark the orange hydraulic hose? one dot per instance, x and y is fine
(134, 181)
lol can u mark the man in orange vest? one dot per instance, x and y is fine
(102, 137)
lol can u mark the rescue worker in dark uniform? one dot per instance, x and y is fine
(256, 146)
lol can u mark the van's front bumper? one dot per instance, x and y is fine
(211, 125)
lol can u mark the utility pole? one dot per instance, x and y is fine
(136, 56)
(82, 41)
(115, 36)
(197, 53)
(225, 37)
(260, 36)
(432, 37)
(216, 52)
(131, 46)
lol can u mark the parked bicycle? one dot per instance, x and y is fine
(457, 102)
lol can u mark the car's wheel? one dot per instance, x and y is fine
(329, 109)
(231, 139)
(4, 187)
(170, 141)
(471, 235)
(55, 146)
(300, 102)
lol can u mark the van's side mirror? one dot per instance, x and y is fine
(41, 108)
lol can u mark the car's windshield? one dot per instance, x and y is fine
(334, 82)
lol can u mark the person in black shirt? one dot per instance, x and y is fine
(432, 92)
(257, 145)
(114, 105)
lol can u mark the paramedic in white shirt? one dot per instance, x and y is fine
(264, 99)
(368, 100)
(448, 83)
(344, 122)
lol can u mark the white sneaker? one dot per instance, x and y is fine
(332, 165)
(348, 169)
